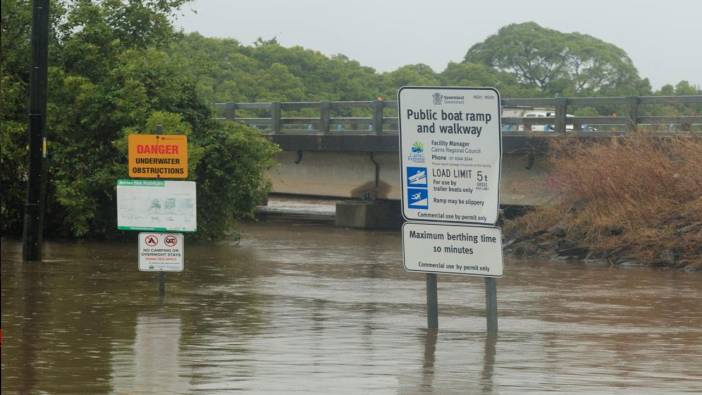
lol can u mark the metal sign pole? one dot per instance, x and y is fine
(491, 304)
(432, 302)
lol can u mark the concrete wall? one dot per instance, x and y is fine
(352, 175)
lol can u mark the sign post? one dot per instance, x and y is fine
(155, 207)
(491, 304)
(432, 302)
(450, 161)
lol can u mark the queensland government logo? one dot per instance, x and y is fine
(417, 153)
(440, 99)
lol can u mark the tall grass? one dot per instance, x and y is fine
(639, 195)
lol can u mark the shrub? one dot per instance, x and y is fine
(639, 195)
(13, 162)
(230, 176)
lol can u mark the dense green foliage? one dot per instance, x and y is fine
(118, 67)
(111, 74)
(521, 60)
(266, 71)
(559, 63)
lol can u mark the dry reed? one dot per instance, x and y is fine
(639, 195)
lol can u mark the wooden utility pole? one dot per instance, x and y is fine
(34, 205)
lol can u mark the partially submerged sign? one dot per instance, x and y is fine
(452, 249)
(158, 156)
(161, 252)
(450, 154)
(156, 205)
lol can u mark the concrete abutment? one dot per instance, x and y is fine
(372, 183)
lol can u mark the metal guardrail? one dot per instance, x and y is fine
(381, 123)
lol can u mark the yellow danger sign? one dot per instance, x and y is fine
(158, 156)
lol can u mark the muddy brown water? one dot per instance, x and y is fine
(309, 308)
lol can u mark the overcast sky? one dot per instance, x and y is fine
(663, 37)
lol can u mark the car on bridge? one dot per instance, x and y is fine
(541, 127)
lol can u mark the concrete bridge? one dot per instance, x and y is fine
(350, 149)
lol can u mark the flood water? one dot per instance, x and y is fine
(309, 308)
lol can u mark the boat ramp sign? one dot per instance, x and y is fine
(450, 154)
(161, 252)
(450, 160)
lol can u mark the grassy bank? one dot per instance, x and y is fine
(627, 200)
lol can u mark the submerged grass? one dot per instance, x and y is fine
(637, 198)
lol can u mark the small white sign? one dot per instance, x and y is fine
(156, 205)
(452, 249)
(161, 252)
(450, 154)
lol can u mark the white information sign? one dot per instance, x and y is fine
(452, 249)
(450, 154)
(156, 205)
(161, 252)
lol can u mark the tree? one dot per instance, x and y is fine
(414, 74)
(472, 74)
(229, 71)
(15, 51)
(685, 88)
(111, 74)
(559, 63)
(682, 88)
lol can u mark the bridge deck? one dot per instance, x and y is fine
(511, 142)
(349, 149)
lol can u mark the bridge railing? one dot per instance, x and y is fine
(539, 115)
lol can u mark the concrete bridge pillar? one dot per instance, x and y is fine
(368, 214)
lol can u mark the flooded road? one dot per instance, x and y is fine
(311, 308)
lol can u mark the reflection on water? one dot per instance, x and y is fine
(316, 309)
(152, 361)
(429, 357)
(488, 364)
